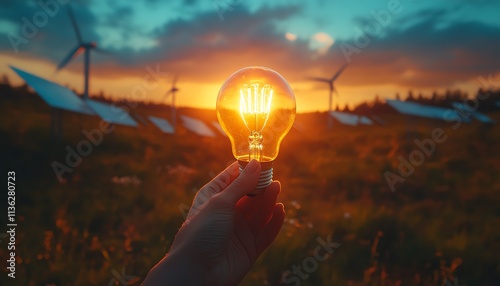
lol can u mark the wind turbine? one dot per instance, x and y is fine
(84, 47)
(331, 85)
(172, 92)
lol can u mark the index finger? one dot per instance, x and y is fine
(215, 186)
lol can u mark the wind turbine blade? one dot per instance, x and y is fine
(339, 72)
(75, 25)
(75, 52)
(318, 79)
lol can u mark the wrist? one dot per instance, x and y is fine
(177, 268)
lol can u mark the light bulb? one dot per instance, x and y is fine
(256, 109)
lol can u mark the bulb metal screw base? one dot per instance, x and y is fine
(265, 179)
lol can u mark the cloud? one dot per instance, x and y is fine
(418, 52)
(290, 36)
(206, 47)
(321, 42)
(429, 54)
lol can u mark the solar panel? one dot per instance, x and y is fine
(415, 109)
(111, 114)
(53, 94)
(481, 117)
(365, 120)
(162, 124)
(345, 118)
(197, 126)
(217, 126)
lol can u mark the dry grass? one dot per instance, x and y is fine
(120, 206)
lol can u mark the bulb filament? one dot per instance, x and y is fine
(255, 106)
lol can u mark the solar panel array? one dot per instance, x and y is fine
(419, 110)
(61, 97)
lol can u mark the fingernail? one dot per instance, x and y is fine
(282, 207)
(279, 186)
(252, 167)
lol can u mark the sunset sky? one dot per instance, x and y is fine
(423, 45)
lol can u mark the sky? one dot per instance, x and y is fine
(390, 46)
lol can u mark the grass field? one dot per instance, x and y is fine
(121, 206)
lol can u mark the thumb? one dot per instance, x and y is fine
(244, 184)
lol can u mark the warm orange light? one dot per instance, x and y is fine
(256, 108)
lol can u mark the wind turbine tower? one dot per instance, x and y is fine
(172, 92)
(330, 82)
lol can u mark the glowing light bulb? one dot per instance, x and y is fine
(256, 109)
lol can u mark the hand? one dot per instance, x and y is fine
(224, 233)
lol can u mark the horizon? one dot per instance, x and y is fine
(419, 98)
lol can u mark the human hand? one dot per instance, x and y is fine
(224, 233)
